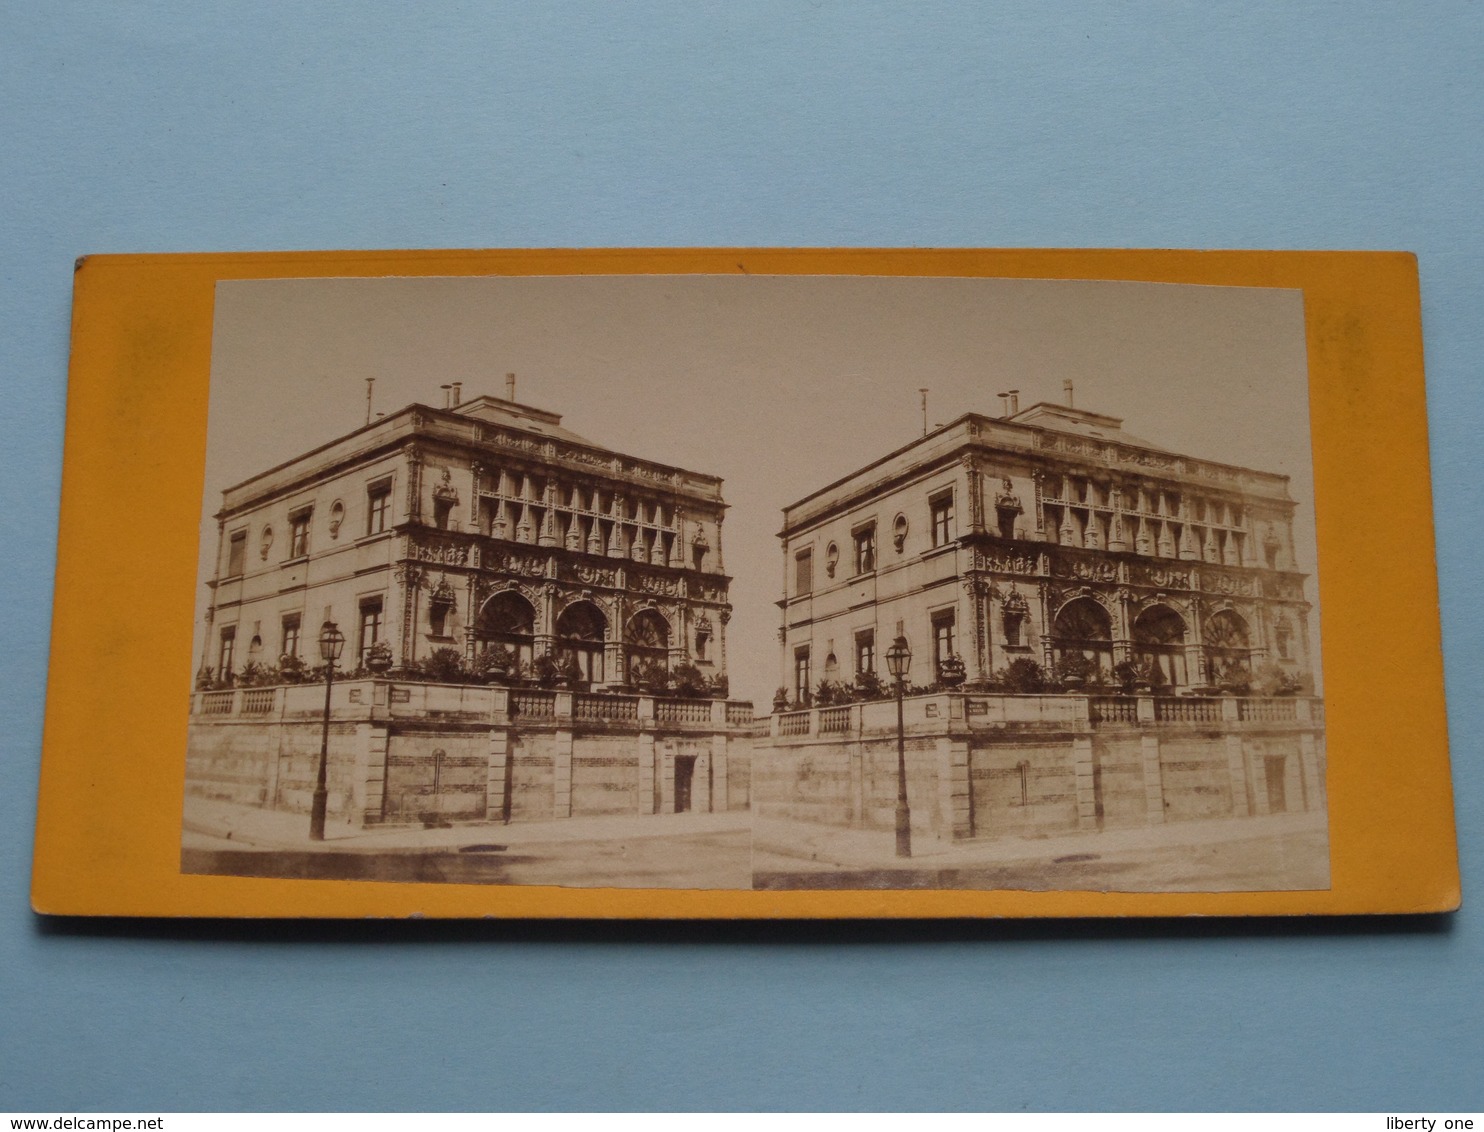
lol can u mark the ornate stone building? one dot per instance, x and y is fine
(1041, 533)
(476, 525)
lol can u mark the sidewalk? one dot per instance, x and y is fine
(211, 824)
(804, 845)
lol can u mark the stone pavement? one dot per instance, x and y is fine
(1234, 854)
(740, 850)
(210, 824)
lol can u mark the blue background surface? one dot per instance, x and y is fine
(160, 127)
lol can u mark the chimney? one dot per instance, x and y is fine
(1014, 401)
(510, 387)
(447, 393)
(457, 393)
(1066, 391)
(1004, 404)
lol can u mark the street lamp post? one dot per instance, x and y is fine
(898, 661)
(331, 642)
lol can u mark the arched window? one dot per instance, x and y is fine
(646, 642)
(1159, 640)
(1083, 626)
(580, 631)
(1228, 650)
(508, 620)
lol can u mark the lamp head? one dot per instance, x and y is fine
(899, 658)
(331, 642)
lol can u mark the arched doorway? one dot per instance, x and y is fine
(1159, 640)
(507, 620)
(581, 630)
(646, 642)
(1082, 626)
(1228, 648)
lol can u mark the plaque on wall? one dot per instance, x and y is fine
(980, 583)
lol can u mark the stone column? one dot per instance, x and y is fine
(1154, 794)
(561, 771)
(498, 786)
(1236, 769)
(1309, 765)
(369, 784)
(856, 801)
(665, 766)
(1087, 801)
(1257, 773)
(720, 787)
(648, 786)
(953, 769)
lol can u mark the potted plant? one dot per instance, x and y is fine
(379, 658)
(1072, 669)
(494, 664)
(544, 671)
(952, 672)
(1127, 675)
(780, 699)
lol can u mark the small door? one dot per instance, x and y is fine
(685, 773)
(1277, 798)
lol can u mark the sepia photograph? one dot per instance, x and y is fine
(758, 582)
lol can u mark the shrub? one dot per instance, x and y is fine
(291, 669)
(869, 686)
(721, 687)
(443, 666)
(1023, 676)
(689, 681)
(831, 692)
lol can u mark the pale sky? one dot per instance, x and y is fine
(778, 384)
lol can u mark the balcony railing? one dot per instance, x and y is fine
(605, 709)
(1280, 710)
(217, 703)
(533, 705)
(1190, 709)
(739, 713)
(794, 723)
(257, 701)
(1114, 709)
(682, 711)
(834, 721)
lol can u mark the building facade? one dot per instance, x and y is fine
(1041, 534)
(476, 526)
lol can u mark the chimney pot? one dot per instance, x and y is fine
(1066, 389)
(1014, 401)
(447, 393)
(457, 392)
(1004, 404)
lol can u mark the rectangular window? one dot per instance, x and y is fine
(865, 549)
(943, 639)
(801, 674)
(941, 508)
(378, 506)
(290, 636)
(804, 572)
(225, 651)
(236, 554)
(865, 652)
(370, 627)
(299, 533)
